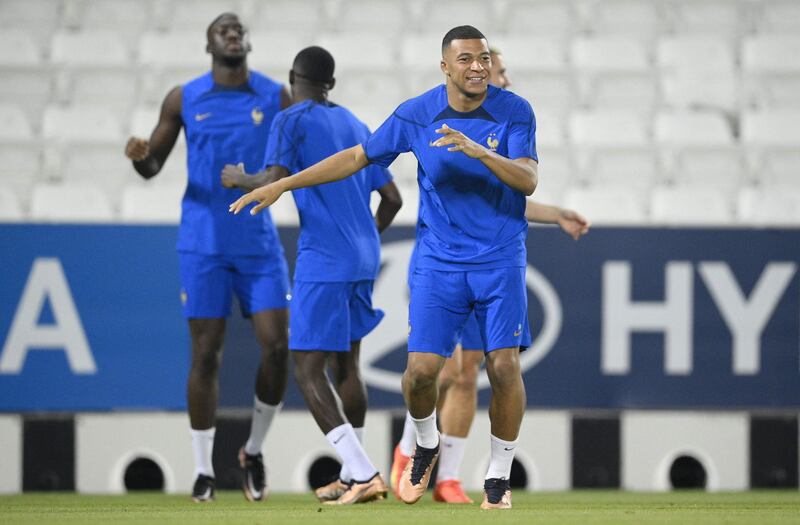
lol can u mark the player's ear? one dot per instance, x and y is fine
(291, 77)
(443, 67)
(331, 84)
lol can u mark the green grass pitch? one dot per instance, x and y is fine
(578, 507)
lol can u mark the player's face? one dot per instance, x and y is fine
(498, 76)
(228, 39)
(466, 63)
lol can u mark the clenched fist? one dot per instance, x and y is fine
(137, 149)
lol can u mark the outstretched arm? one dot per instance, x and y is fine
(336, 167)
(149, 156)
(390, 204)
(571, 222)
(235, 177)
(521, 174)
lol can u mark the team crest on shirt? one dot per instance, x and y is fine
(184, 297)
(492, 141)
(257, 115)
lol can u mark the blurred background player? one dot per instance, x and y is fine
(337, 262)
(471, 243)
(458, 380)
(226, 115)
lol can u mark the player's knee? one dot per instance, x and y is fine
(467, 378)
(504, 371)
(206, 361)
(420, 378)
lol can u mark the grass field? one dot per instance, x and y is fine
(581, 507)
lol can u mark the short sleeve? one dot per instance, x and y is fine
(378, 177)
(282, 143)
(522, 133)
(388, 141)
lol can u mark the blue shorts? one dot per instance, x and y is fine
(441, 302)
(471, 338)
(329, 316)
(209, 281)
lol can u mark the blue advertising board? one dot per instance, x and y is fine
(90, 319)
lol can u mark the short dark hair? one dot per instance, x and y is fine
(461, 33)
(220, 17)
(314, 64)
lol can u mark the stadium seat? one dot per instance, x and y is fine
(556, 173)
(308, 17)
(720, 18)
(554, 92)
(607, 205)
(360, 51)
(30, 89)
(621, 129)
(14, 124)
(550, 129)
(90, 48)
(275, 50)
(151, 203)
(284, 211)
(532, 53)
(554, 18)
(636, 18)
(700, 53)
(192, 15)
(38, 17)
(116, 89)
(771, 70)
(81, 125)
(20, 167)
(69, 203)
(165, 50)
(127, 18)
(381, 92)
(769, 206)
(698, 89)
(18, 49)
(689, 206)
(10, 208)
(777, 16)
(387, 17)
(104, 166)
(771, 139)
(613, 71)
(442, 15)
(421, 52)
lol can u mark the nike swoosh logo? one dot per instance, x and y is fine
(202, 116)
(508, 449)
(430, 143)
(516, 334)
(335, 441)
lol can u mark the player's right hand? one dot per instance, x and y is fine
(232, 175)
(137, 149)
(265, 195)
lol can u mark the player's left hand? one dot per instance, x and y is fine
(265, 195)
(232, 175)
(573, 223)
(458, 142)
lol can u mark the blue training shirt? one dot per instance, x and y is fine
(225, 125)
(338, 236)
(468, 218)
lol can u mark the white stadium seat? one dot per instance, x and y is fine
(690, 206)
(692, 129)
(723, 18)
(14, 124)
(38, 17)
(20, 167)
(112, 88)
(771, 128)
(192, 15)
(151, 203)
(771, 70)
(554, 18)
(421, 52)
(91, 48)
(276, 49)
(307, 17)
(69, 203)
(618, 54)
(18, 49)
(607, 205)
(382, 92)
(624, 17)
(10, 208)
(778, 16)
(532, 53)
(86, 124)
(125, 17)
(442, 15)
(769, 206)
(555, 92)
(164, 50)
(693, 88)
(695, 53)
(620, 129)
(386, 17)
(360, 51)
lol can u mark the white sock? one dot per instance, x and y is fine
(427, 434)
(344, 474)
(502, 457)
(409, 438)
(343, 438)
(262, 419)
(450, 455)
(203, 446)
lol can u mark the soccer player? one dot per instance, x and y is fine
(337, 262)
(458, 380)
(226, 115)
(476, 148)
